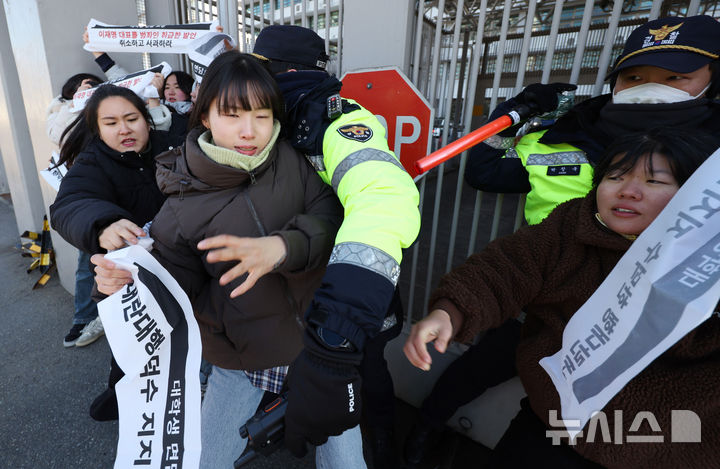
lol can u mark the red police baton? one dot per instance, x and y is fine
(473, 138)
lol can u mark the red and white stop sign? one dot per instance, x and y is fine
(400, 107)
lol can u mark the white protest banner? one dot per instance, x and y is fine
(52, 175)
(170, 39)
(203, 50)
(665, 285)
(139, 82)
(155, 340)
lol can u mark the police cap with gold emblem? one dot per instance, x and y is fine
(682, 45)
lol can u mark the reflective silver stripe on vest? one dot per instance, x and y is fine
(500, 143)
(366, 256)
(361, 156)
(562, 157)
(511, 153)
(317, 162)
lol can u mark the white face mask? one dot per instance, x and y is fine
(653, 93)
(182, 107)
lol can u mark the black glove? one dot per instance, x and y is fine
(324, 387)
(541, 98)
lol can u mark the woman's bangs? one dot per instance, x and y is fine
(245, 96)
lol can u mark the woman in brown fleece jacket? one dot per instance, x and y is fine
(236, 190)
(549, 271)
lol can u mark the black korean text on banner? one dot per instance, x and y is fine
(156, 342)
(54, 174)
(169, 39)
(203, 50)
(138, 82)
(665, 285)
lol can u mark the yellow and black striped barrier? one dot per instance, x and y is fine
(40, 249)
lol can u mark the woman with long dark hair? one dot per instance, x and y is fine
(109, 192)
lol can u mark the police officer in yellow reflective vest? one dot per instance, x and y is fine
(668, 75)
(356, 310)
(556, 172)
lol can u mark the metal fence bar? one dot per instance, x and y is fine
(303, 13)
(581, 40)
(242, 36)
(499, 66)
(195, 18)
(262, 15)
(450, 78)
(251, 17)
(655, 10)
(525, 46)
(470, 100)
(415, 74)
(606, 53)
(552, 41)
(460, 5)
(197, 11)
(327, 26)
(415, 256)
(496, 216)
(499, 62)
(184, 19)
(340, 28)
(436, 54)
(272, 11)
(693, 8)
(476, 52)
(316, 16)
(474, 223)
(418, 42)
(431, 99)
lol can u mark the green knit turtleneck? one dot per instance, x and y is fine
(232, 158)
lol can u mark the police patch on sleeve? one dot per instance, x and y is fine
(359, 132)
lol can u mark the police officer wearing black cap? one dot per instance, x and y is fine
(667, 75)
(342, 370)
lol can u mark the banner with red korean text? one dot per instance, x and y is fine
(139, 82)
(156, 342)
(169, 39)
(665, 285)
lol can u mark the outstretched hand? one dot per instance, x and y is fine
(256, 256)
(108, 276)
(437, 327)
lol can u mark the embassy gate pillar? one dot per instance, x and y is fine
(40, 47)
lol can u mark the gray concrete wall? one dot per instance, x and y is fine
(377, 33)
(62, 27)
(162, 12)
(40, 48)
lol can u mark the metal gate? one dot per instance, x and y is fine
(467, 56)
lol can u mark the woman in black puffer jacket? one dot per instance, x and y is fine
(109, 192)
